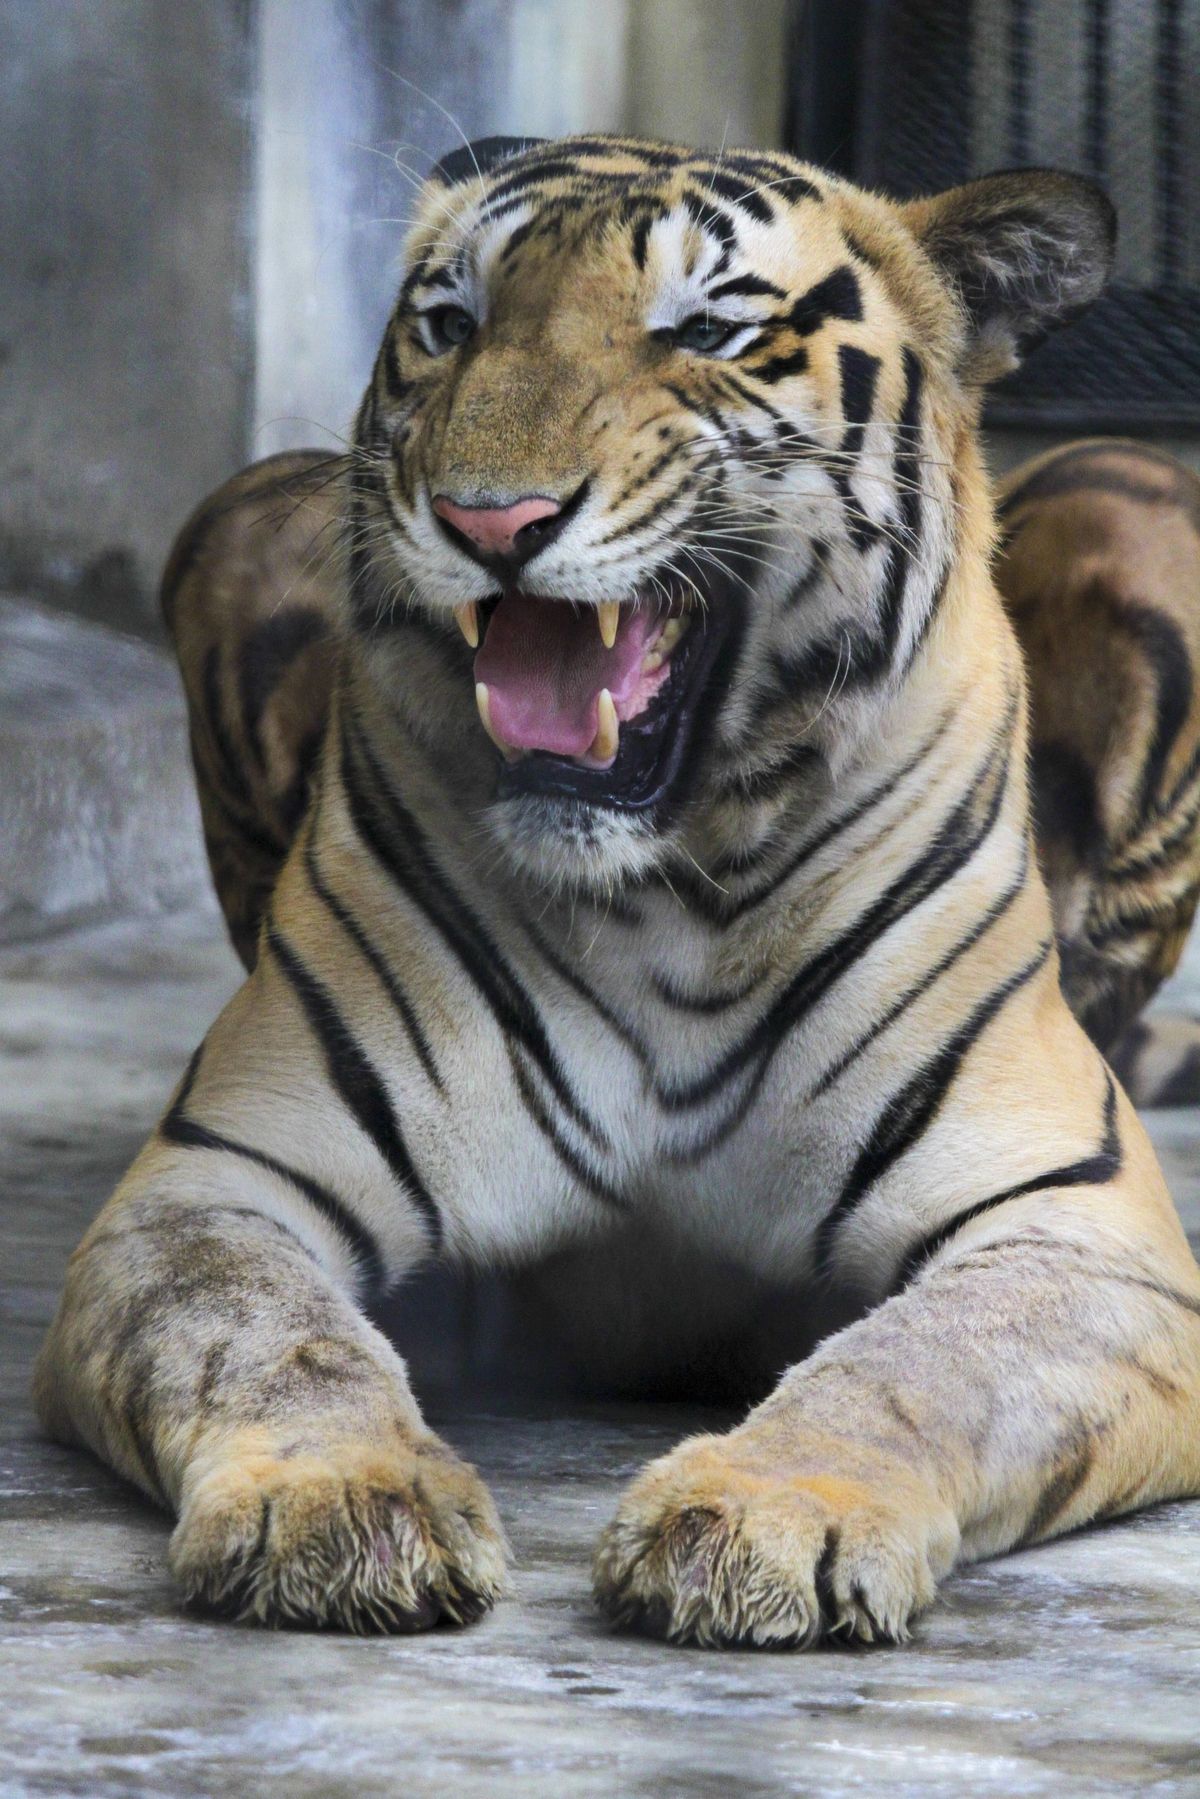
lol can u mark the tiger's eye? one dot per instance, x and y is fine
(702, 333)
(449, 326)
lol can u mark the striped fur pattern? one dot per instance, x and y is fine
(783, 1022)
(1099, 565)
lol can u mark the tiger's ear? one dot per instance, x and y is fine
(1023, 251)
(479, 158)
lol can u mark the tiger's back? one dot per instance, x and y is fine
(251, 597)
(1099, 565)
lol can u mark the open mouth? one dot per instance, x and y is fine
(595, 703)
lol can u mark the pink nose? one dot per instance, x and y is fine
(494, 529)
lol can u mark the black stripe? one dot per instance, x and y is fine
(1066, 804)
(235, 793)
(660, 503)
(1142, 916)
(702, 1004)
(355, 1079)
(615, 906)
(672, 453)
(395, 384)
(577, 984)
(902, 554)
(801, 588)
(521, 180)
(442, 278)
(1165, 852)
(1075, 471)
(859, 373)
(857, 248)
(994, 912)
(1162, 643)
(633, 148)
(517, 237)
(961, 833)
(568, 1156)
(761, 782)
(844, 820)
(837, 296)
(1185, 1301)
(1060, 1490)
(910, 1112)
(228, 761)
(731, 187)
(405, 855)
(778, 368)
(1185, 781)
(712, 219)
(848, 657)
(747, 286)
(794, 188)
(264, 658)
(737, 387)
(783, 179)
(470, 162)
(1092, 1171)
(292, 803)
(412, 280)
(187, 1133)
(371, 954)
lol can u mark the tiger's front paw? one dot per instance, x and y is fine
(352, 1538)
(713, 1544)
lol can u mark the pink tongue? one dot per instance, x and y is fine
(544, 664)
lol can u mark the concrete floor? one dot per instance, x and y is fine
(1073, 1669)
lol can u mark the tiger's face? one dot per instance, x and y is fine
(662, 444)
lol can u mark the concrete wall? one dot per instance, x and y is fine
(203, 206)
(125, 284)
(358, 97)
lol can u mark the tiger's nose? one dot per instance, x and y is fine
(507, 533)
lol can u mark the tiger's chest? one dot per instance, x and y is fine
(630, 1075)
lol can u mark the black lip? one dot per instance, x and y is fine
(652, 765)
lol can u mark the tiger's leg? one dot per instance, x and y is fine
(210, 1344)
(1100, 571)
(1037, 1367)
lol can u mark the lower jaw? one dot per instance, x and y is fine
(658, 753)
(570, 846)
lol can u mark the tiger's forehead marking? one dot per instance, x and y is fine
(581, 189)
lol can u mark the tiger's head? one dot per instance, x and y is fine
(660, 460)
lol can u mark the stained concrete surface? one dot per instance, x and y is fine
(1072, 1669)
(98, 810)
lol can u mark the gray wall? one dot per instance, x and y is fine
(202, 211)
(359, 96)
(125, 284)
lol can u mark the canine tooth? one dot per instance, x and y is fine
(485, 718)
(468, 622)
(608, 615)
(608, 729)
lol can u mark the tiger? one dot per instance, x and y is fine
(617, 774)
